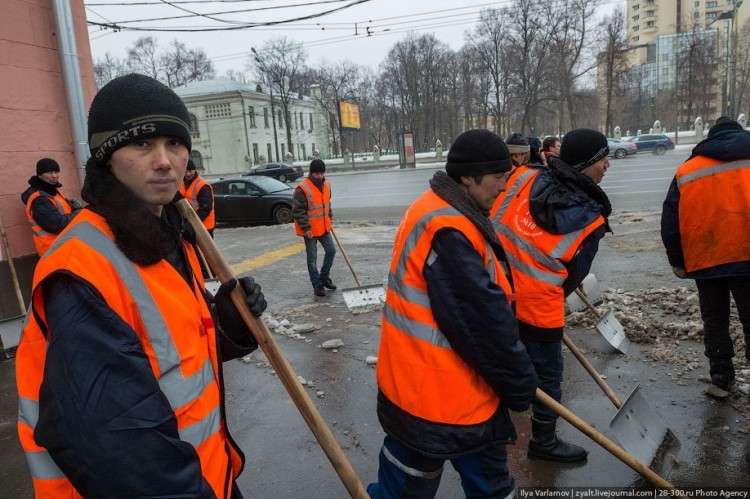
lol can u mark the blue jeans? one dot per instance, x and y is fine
(406, 473)
(311, 248)
(548, 364)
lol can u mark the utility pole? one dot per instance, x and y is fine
(733, 60)
(269, 78)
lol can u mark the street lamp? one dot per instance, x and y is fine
(268, 78)
(727, 106)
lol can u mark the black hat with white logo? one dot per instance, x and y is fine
(134, 107)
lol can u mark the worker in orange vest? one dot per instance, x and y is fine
(119, 367)
(47, 210)
(200, 194)
(704, 227)
(450, 362)
(550, 220)
(312, 220)
(519, 150)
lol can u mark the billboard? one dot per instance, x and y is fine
(349, 116)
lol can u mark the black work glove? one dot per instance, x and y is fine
(230, 320)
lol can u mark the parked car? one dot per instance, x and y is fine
(282, 172)
(621, 148)
(252, 200)
(655, 142)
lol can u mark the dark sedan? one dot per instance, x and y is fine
(282, 172)
(655, 142)
(252, 200)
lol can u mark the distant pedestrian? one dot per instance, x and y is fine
(47, 210)
(200, 194)
(535, 152)
(704, 227)
(519, 149)
(312, 220)
(551, 147)
(450, 362)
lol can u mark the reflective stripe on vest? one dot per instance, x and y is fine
(43, 239)
(536, 256)
(318, 207)
(714, 211)
(418, 371)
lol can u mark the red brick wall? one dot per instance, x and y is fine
(33, 109)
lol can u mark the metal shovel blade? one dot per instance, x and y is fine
(589, 286)
(613, 332)
(643, 434)
(363, 296)
(212, 286)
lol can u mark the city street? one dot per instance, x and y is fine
(285, 461)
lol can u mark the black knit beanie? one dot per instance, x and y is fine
(723, 123)
(517, 143)
(583, 147)
(317, 166)
(477, 152)
(133, 107)
(45, 165)
(535, 146)
(190, 165)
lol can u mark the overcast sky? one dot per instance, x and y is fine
(334, 36)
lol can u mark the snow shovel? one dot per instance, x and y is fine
(638, 428)
(361, 296)
(212, 283)
(608, 325)
(607, 444)
(276, 357)
(589, 287)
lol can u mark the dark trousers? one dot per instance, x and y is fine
(546, 356)
(311, 248)
(404, 473)
(713, 295)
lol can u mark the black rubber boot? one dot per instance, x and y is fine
(545, 445)
(328, 283)
(722, 372)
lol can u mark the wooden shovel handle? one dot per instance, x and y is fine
(608, 445)
(587, 365)
(275, 356)
(14, 276)
(346, 257)
(585, 300)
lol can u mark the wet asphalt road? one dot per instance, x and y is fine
(285, 461)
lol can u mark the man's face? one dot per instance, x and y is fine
(555, 149)
(190, 174)
(50, 178)
(152, 168)
(318, 176)
(485, 192)
(520, 158)
(596, 171)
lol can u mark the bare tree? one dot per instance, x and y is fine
(108, 69)
(142, 57)
(742, 67)
(489, 42)
(234, 75)
(696, 56)
(181, 65)
(279, 62)
(612, 61)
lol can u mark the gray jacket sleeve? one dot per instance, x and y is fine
(299, 210)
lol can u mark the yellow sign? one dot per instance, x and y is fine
(349, 115)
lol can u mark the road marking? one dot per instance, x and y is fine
(272, 257)
(267, 258)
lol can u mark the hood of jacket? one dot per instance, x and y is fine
(564, 200)
(728, 145)
(37, 184)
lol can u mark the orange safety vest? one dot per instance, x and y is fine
(176, 332)
(713, 211)
(318, 207)
(536, 257)
(191, 194)
(417, 368)
(43, 239)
